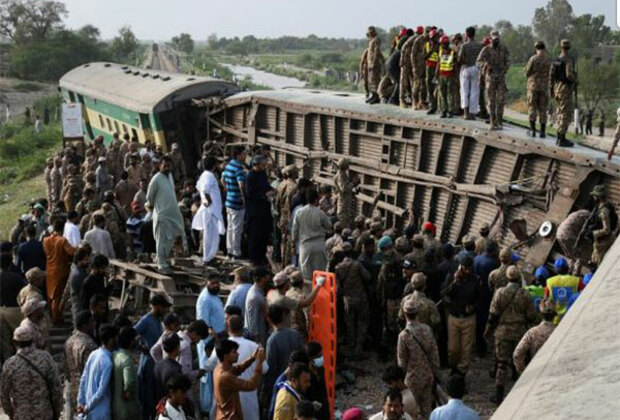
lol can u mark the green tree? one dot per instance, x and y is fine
(124, 46)
(27, 21)
(587, 32)
(184, 42)
(553, 22)
(598, 83)
(89, 32)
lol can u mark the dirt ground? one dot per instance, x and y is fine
(368, 389)
(21, 93)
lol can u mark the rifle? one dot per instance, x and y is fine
(613, 148)
(586, 228)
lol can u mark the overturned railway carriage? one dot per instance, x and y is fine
(455, 173)
(148, 104)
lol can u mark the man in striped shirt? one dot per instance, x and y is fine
(470, 88)
(233, 180)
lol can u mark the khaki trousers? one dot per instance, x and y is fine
(461, 337)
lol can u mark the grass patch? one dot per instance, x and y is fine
(28, 87)
(14, 200)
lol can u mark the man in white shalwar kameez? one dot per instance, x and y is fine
(168, 223)
(209, 218)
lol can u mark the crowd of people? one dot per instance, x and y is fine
(429, 70)
(405, 295)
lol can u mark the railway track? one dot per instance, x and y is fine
(160, 58)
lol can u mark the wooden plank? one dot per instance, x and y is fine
(445, 230)
(463, 215)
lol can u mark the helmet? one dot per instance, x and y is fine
(419, 29)
(541, 273)
(513, 273)
(486, 41)
(432, 33)
(429, 227)
(402, 32)
(384, 242)
(560, 264)
(587, 278)
(445, 39)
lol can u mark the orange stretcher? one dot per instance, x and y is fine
(323, 330)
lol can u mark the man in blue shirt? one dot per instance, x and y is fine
(95, 394)
(483, 265)
(210, 309)
(30, 254)
(233, 179)
(455, 409)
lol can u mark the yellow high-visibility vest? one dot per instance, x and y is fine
(446, 61)
(433, 57)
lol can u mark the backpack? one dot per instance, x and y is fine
(558, 69)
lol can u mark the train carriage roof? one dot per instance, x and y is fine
(139, 89)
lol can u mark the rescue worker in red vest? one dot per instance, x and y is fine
(431, 56)
(444, 74)
(561, 287)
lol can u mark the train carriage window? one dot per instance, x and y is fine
(109, 124)
(124, 128)
(101, 122)
(134, 133)
(116, 127)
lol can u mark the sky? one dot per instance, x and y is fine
(162, 19)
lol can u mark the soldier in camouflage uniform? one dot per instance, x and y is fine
(406, 69)
(510, 314)
(417, 355)
(390, 285)
(113, 159)
(284, 195)
(299, 321)
(418, 67)
(344, 188)
(535, 337)
(179, 172)
(427, 311)
(363, 70)
(483, 240)
(494, 61)
(497, 277)
(30, 386)
(77, 349)
(402, 245)
(359, 224)
(375, 63)
(49, 167)
(563, 82)
(537, 70)
(34, 311)
(603, 232)
(417, 253)
(353, 284)
(56, 176)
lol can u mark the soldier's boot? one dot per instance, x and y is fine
(444, 114)
(374, 98)
(466, 115)
(493, 122)
(498, 396)
(542, 130)
(431, 111)
(499, 122)
(562, 142)
(532, 131)
(403, 104)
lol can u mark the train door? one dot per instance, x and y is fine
(87, 124)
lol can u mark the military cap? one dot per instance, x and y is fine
(539, 45)
(32, 305)
(375, 226)
(280, 278)
(513, 273)
(35, 274)
(485, 229)
(401, 243)
(91, 206)
(599, 191)
(57, 160)
(494, 34)
(346, 247)
(107, 207)
(23, 334)
(384, 242)
(346, 233)
(547, 306)
(410, 264)
(359, 220)
(468, 240)
(418, 281)
(504, 254)
(49, 160)
(565, 43)
(411, 307)
(343, 163)
(371, 30)
(418, 239)
(338, 226)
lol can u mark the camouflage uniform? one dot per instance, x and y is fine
(419, 71)
(299, 322)
(56, 176)
(417, 253)
(72, 192)
(531, 342)
(77, 349)
(284, 195)
(353, 280)
(179, 172)
(44, 325)
(537, 71)
(406, 70)
(427, 311)
(136, 174)
(603, 237)
(563, 94)
(494, 62)
(419, 359)
(40, 332)
(497, 278)
(113, 159)
(25, 393)
(375, 64)
(344, 189)
(431, 50)
(363, 69)
(481, 245)
(389, 276)
(512, 311)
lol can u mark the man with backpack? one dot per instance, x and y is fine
(563, 82)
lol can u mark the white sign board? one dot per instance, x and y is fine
(72, 120)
